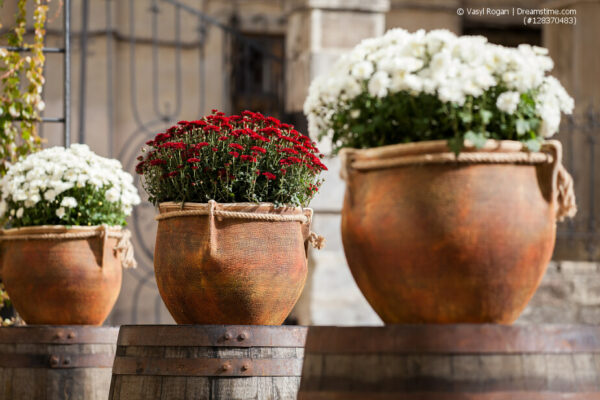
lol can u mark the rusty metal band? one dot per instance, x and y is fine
(212, 335)
(157, 366)
(56, 361)
(59, 335)
(454, 339)
(516, 395)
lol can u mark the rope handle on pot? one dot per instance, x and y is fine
(314, 239)
(123, 246)
(562, 183)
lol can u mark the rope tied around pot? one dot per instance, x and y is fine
(124, 245)
(567, 207)
(493, 152)
(317, 241)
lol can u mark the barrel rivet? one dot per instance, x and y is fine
(58, 336)
(225, 367)
(71, 335)
(227, 336)
(54, 360)
(66, 361)
(245, 367)
(242, 336)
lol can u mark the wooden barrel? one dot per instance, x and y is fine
(450, 362)
(208, 362)
(54, 363)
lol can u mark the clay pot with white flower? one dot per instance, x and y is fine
(233, 232)
(453, 188)
(63, 247)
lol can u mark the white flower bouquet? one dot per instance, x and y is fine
(408, 87)
(73, 186)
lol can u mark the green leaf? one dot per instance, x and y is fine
(486, 116)
(465, 116)
(533, 145)
(522, 126)
(478, 139)
(455, 144)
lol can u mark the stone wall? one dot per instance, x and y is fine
(568, 294)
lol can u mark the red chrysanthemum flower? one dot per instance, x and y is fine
(212, 128)
(139, 168)
(200, 145)
(259, 149)
(269, 176)
(235, 154)
(173, 145)
(288, 150)
(236, 146)
(248, 158)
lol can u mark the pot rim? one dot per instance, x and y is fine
(28, 230)
(262, 207)
(435, 147)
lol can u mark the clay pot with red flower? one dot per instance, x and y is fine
(233, 230)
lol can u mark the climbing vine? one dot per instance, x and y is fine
(21, 82)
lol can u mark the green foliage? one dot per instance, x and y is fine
(92, 209)
(21, 77)
(369, 121)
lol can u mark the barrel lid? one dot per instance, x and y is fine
(212, 335)
(65, 334)
(455, 339)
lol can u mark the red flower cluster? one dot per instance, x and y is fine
(247, 157)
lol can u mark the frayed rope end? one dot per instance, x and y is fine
(125, 247)
(316, 241)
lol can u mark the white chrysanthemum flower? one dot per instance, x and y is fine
(112, 195)
(19, 212)
(362, 70)
(50, 195)
(60, 212)
(68, 202)
(508, 102)
(379, 84)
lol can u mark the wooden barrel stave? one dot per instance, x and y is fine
(66, 362)
(147, 369)
(474, 362)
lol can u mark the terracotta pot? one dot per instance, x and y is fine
(218, 270)
(61, 281)
(432, 240)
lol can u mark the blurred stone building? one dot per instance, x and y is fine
(139, 66)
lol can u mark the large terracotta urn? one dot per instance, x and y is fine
(231, 263)
(57, 275)
(431, 237)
